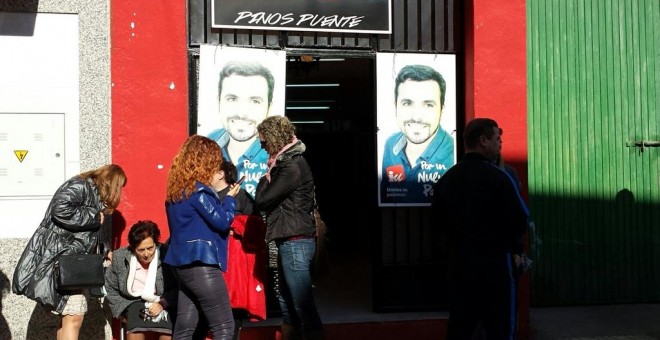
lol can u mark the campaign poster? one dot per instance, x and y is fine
(238, 89)
(416, 118)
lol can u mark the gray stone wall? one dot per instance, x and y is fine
(21, 318)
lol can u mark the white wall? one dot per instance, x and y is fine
(39, 74)
(54, 59)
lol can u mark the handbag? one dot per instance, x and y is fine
(321, 261)
(79, 271)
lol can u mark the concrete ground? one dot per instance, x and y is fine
(602, 322)
(611, 322)
(344, 298)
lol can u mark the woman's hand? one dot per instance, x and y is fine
(155, 309)
(108, 260)
(233, 190)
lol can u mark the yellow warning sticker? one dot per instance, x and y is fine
(20, 154)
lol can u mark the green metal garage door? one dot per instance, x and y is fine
(594, 111)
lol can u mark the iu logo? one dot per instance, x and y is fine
(395, 173)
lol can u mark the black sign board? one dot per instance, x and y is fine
(357, 16)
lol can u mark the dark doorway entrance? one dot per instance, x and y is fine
(332, 103)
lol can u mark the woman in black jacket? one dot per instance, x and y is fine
(71, 226)
(286, 195)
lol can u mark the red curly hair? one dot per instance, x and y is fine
(197, 161)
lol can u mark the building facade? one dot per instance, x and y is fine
(134, 102)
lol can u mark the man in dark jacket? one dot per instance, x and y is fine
(479, 210)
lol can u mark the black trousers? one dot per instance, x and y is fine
(202, 290)
(483, 292)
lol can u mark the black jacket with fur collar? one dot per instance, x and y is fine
(288, 198)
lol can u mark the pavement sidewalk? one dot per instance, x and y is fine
(611, 322)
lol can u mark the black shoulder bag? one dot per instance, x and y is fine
(79, 271)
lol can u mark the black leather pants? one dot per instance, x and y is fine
(202, 289)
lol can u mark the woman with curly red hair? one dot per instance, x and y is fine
(199, 225)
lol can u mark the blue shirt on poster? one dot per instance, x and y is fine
(252, 164)
(402, 183)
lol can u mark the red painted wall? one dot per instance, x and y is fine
(495, 63)
(496, 87)
(149, 103)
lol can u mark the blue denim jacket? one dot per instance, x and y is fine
(199, 227)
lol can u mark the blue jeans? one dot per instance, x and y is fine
(296, 295)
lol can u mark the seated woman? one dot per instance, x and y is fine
(139, 288)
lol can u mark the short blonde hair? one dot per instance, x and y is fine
(277, 132)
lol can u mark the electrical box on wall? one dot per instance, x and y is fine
(32, 160)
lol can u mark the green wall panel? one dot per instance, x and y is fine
(593, 88)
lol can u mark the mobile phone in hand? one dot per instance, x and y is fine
(240, 180)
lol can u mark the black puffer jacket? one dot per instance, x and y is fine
(71, 225)
(288, 198)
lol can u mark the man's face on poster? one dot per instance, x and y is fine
(243, 105)
(418, 109)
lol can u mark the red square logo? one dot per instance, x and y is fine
(395, 173)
